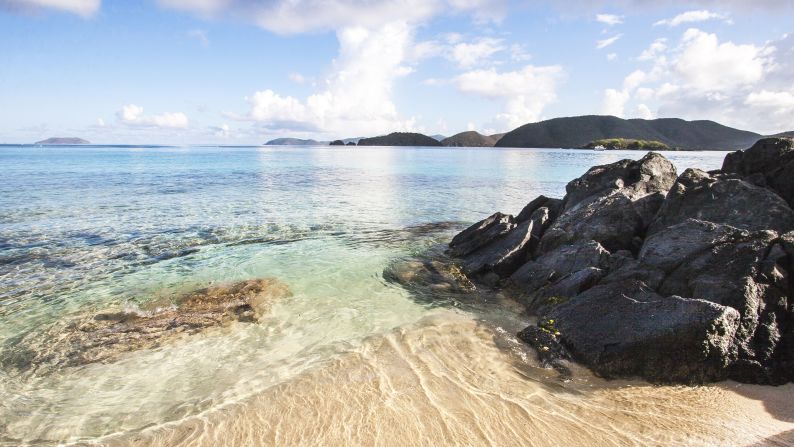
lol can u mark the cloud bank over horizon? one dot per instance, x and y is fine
(654, 60)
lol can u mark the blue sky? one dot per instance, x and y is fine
(245, 71)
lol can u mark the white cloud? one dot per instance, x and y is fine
(644, 112)
(297, 16)
(608, 41)
(518, 53)
(525, 92)
(778, 103)
(200, 36)
(84, 8)
(467, 55)
(701, 77)
(614, 102)
(654, 50)
(132, 115)
(708, 65)
(691, 17)
(357, 98)
(609, 19)
(612, 56)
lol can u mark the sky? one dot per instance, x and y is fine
(238, 72)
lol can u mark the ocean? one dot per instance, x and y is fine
(348, 358)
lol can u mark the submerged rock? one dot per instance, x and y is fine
(105, 336)
(674, 279)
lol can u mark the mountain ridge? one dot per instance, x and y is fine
(571, 132)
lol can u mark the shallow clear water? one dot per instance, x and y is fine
(84, 229)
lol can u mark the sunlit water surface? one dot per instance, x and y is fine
(349, 358)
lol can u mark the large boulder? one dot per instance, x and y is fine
(627, 329)
(734, 268)
(773, 159)
(559, 274)
(721, 199)
(481, 233)
(496, 246)
(504, 255)
(612, 204)
(651, 174)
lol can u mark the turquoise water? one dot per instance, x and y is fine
(83, 229)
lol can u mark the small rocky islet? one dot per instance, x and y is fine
(641, 272)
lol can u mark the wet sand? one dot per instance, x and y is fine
(451, 380)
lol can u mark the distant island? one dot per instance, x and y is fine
(578, 131)
(471, 139)
(292, 142)
(589, 131)
(400, 139)
(627, 143)
(63, 140)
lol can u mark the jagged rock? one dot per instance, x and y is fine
(651, 174)
(553, 294)
(684, 279)
(612, 204)
(504, 255)
(615, 221)
(773, 158)
(731, 267)
(553, 205)
(626, 329)
(559, 274)
(715, 198)
(481, 233)
(105, 336)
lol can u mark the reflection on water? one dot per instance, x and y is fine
(349, 357)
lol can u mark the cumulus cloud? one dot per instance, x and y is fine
(609, 19)
(525, 93)
(701, 77)
(297, 16)
(654, 50)
(608, 41)
(468, 55)
(84, 8)
(132, 115)
(691, 17)
(357, 97)
(708, 65)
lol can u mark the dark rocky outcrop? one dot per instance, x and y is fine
(400, 139)
(638, 272)
(771, 159)
(612, 204)
(337, 143)
(106, 335)
(720, 198)
(627, 329)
